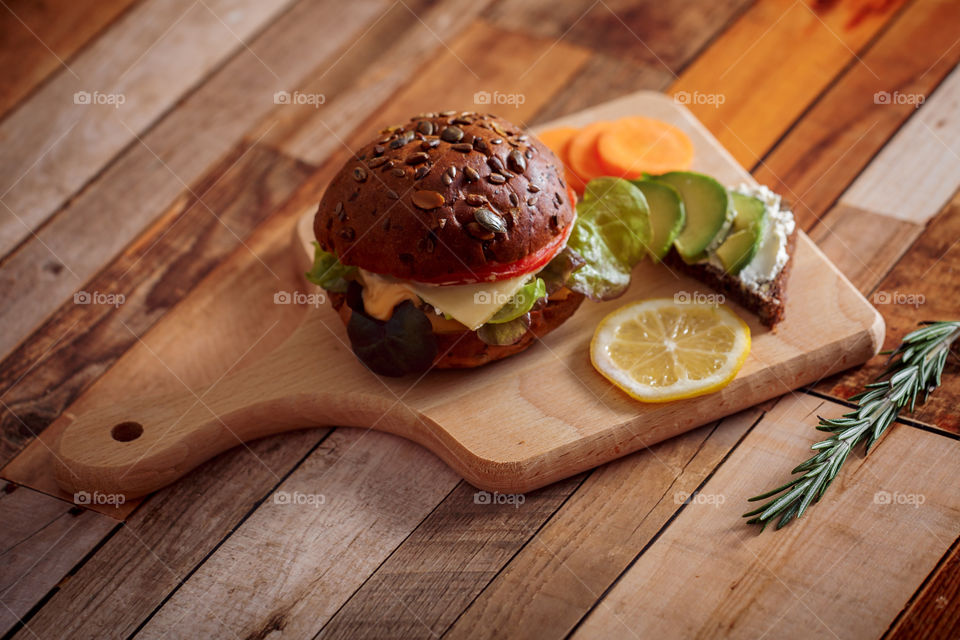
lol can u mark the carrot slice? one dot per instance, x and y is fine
(582, 151)
(637, 145)
(558, 141)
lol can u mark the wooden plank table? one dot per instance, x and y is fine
(192, 185)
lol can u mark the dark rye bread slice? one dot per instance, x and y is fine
(768, 307)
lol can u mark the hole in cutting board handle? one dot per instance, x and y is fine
(126, 431)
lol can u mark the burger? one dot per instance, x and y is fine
(443, 243)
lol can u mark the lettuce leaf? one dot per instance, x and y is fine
(328, 272)
(521, 302)
(611, 233)
(558, 270)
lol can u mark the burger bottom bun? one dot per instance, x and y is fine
(464, 350)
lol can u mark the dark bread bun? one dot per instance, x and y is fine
(407, 203)
(465, 350)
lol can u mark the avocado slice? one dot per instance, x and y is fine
(746, 232)
(666, 215)
(737, 250)
(707, 209)
(748, 212)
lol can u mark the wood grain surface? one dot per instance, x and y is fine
(749, 87)
(408, 548)
(923, 285)
(157, 169)
(924, 154)
(35, 557)
(66, 132)
(812, 576)
(838, 135)
(40, 38)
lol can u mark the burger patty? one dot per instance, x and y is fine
(465, 349)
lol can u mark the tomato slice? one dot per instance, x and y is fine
(528, 264)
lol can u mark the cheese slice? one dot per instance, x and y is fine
(469, 304)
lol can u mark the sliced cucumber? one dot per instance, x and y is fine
(666, 215)
(707, 209)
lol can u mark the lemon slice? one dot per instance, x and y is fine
(660, 350)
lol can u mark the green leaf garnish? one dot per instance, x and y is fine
(403, 344)
(915, 367)
(328, 272)
(611, 233)
(521, 302)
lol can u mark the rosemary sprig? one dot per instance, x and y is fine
(914, 366)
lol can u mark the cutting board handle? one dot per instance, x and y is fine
(141, 444)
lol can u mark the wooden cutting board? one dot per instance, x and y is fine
(511, 426)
